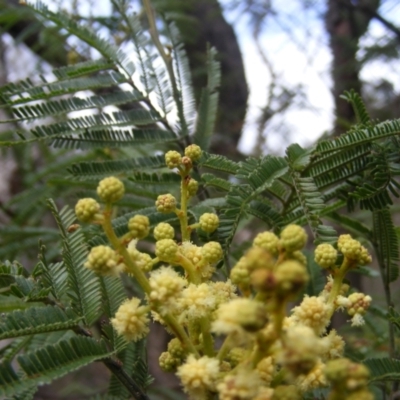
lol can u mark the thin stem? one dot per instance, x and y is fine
(182, 214)
(226, 346)
(208, 342)
(180, 333)
(112, 237)
(193, 276)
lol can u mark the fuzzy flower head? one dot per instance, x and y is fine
(356, 305)
(242, 386)
(240, 315)
(103, 260)
(313, 312)
(198, 376)
(334, 346)
(166, 285)
(131, 320)
(192, 252)
(223, 291)
(302, 349)
(314, 379)
(86, 209)
(110, 189)
(196, 301)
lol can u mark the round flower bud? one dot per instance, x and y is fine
(86, 209)
(325, 255)
(192, 187)
(176, 349)
(364, 258)
(236, 355)
(209, 222)
(166, 250)
(193, 152)
(299, 256)
(258, 258)
(242, 386)
(173, 159)
(350, 248)
(167, 362)
(212, 252)
(139, 226)
(163, 231)
(291, 276)
(314, 379)
(268, 241)
(266, 369)
(240, 274)
(187, 162)
(103, 260)
(131, 320)
(144, 262)
(166, 203)
(110, 189)
(346, 375)
(293, 238)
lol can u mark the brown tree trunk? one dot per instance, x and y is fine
(204, 24)
(346, 22)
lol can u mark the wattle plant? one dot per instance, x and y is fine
(158, 214)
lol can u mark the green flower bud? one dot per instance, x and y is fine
(86, 209)
(110, 189)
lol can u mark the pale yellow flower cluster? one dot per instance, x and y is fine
(265, 352)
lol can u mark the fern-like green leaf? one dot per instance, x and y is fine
(36, 320)
(207, 111)
(383, 369)
(85, 289)
(358, 106)
(212, 180)
(218, 163)
(64, 106)
(113, 138)
(360, 136)
(51, 362)
(386, 244)
(96, 169)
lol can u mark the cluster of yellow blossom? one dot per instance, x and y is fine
(265, 354)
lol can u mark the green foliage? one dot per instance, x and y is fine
(52, 313)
